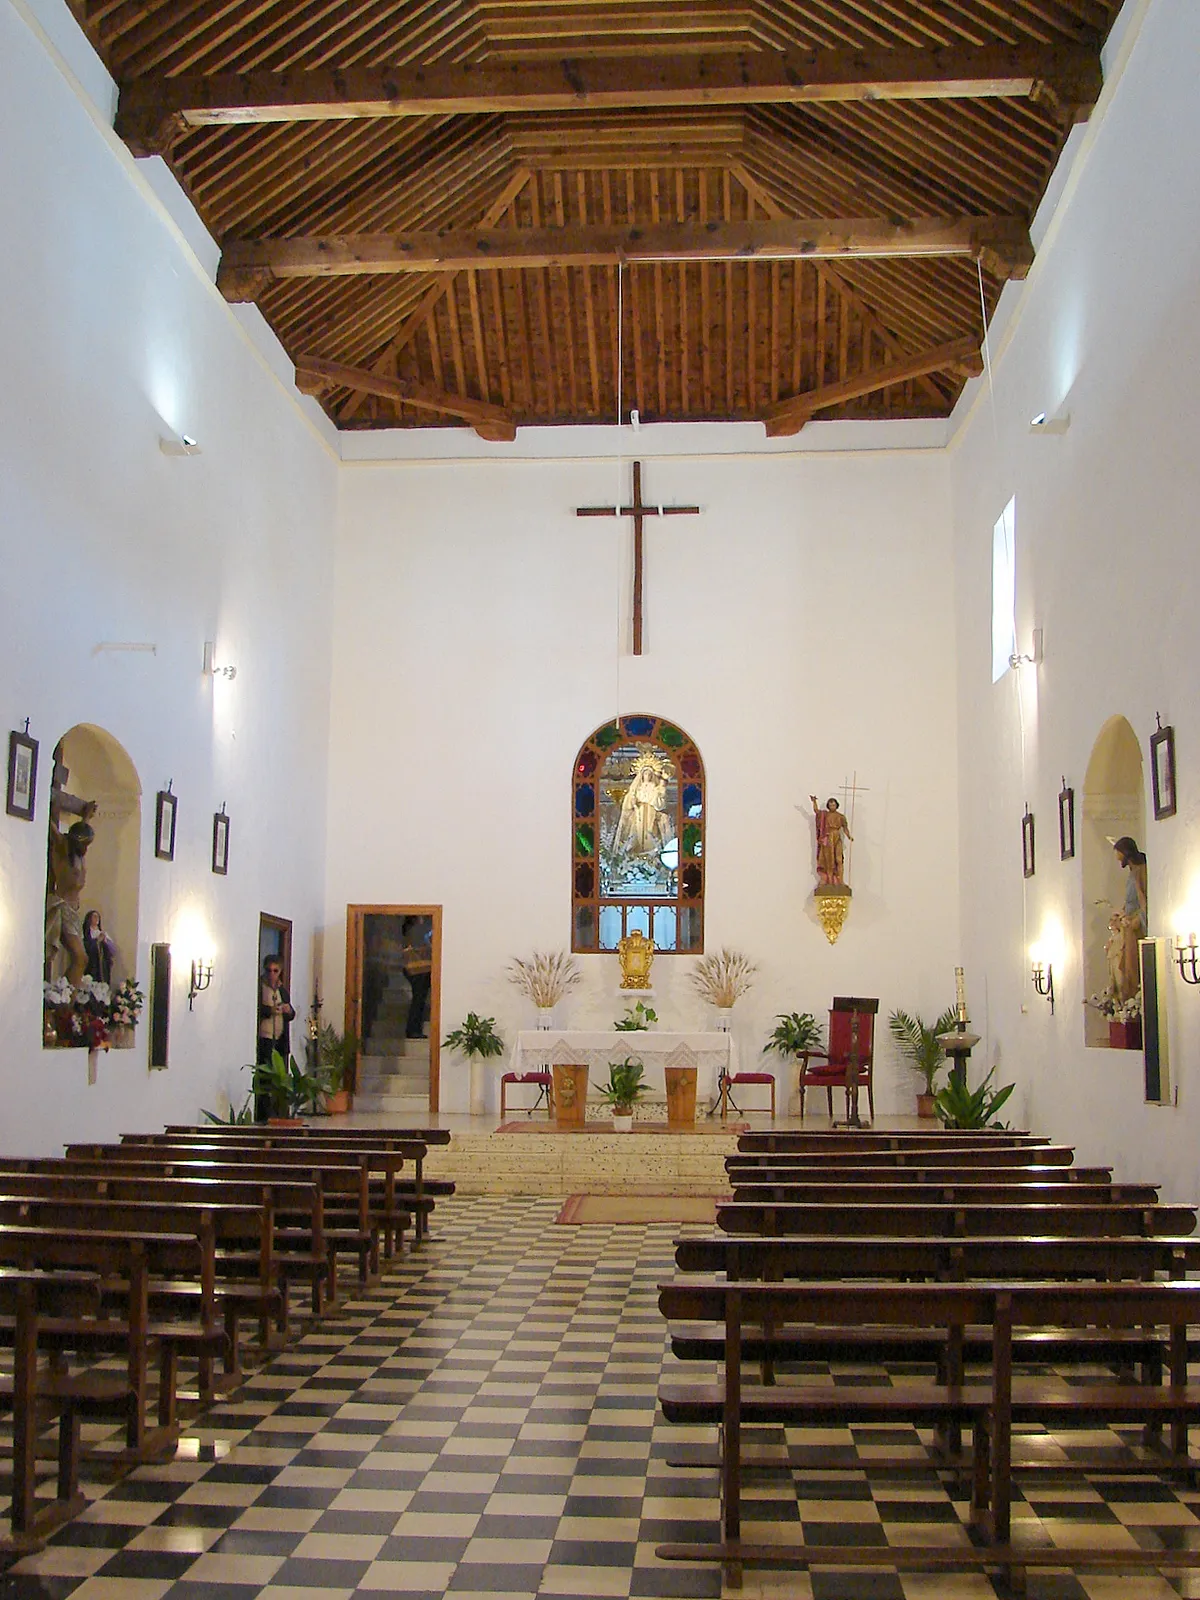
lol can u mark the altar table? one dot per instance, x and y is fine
(537, 1048)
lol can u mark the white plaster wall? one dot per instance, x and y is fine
(800, 629)
(1106, 528)
(110, 334)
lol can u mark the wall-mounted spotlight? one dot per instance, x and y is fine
(1043, 980)
(1043, 422)
(635, 419)
(1032, 657)
(202, 972)
(211, 669)
(181, 444)
(1185, 958)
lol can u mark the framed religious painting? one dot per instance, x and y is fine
(22, 774)
(220, 842)
(1162, 770)
(1066, 822)
(164, 825)
(1028, 859)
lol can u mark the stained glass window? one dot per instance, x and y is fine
(638, 858)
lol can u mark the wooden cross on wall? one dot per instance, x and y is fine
(638, 511)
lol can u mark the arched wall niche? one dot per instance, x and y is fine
(99, 768)
(1114, 803)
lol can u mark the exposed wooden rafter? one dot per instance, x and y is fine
(489, 421)
(155, 110)
(789, 416)
(249, 265)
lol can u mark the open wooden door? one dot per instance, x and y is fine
(393, 982)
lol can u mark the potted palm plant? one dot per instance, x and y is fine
(959, 1106)
(336, 1055)
(921, 1048)
(284, 1089)
(623, 1090)
(478, 1040)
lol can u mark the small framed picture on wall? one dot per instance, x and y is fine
(1066, 822)
(164, 825)
(1162, 770)
(1028, 859)
(220, 842)
(22, 774)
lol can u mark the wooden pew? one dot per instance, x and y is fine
(128, 1263)
(397, 1204)
(989, 1408)
(948, 1154)
(863, 1170)
(419, 1189)
(353, 1219)
(783, 1189)
(32, 1304)
(854, 1140)
(959, 1220)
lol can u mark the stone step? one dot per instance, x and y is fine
(403, 1105)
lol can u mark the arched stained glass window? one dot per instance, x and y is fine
(637, 822)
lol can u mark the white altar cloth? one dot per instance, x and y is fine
(536, 1048)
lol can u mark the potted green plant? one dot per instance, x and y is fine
(238, 1116)
(623, 1090)
(795, 1032)
(959, 1106)
(920, 1047)
(287, 1091)
(336, 1056)
(637, 1019)
(478, 1040)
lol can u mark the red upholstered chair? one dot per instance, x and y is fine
(545, 1087)
(766, 1079)
(851, 1028)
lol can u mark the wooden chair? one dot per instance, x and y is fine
(765, 1079)
(545, 1087)
(851, 1033)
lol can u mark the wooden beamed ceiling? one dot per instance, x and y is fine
(496, 213)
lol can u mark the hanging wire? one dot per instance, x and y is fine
(620, 474)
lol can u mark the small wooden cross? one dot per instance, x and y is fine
(637, 511)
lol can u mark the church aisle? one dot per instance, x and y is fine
(483, 1422)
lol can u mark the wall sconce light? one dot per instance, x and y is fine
(1043, 422)
(1043, 980)
(182, 444)
(202, 972)
(211, 669)
(1185, 958)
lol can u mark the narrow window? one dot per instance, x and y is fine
(1004, 591)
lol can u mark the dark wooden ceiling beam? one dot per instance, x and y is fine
(155, 110)
(491, 422)
(248, 266)
(789, 416)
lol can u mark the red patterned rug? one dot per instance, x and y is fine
(530, 1125)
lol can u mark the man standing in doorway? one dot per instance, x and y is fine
(417, 960)
(275, 1012)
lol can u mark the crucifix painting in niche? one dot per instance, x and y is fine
(638, 827)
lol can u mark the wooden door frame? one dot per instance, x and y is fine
(355, 918)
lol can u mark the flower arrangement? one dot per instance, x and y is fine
(127, 1005)
(546, 978)
(77, 1015)
(85, 1014)
(723, 978)
(1119, 1010)
(636, 1019)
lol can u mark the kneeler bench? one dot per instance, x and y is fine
(991, 1407)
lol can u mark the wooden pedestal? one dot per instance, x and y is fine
(681, 1096)
(570, 1095)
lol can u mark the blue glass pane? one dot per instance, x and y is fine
(585, 800)
(638, 727)
(664, 927)
(637, 920)
(610, 927)
(693, 800)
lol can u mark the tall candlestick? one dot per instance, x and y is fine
(960, 994)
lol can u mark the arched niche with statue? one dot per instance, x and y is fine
(1114, 808)
(94, 784)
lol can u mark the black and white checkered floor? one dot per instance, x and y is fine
(483, 1423)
